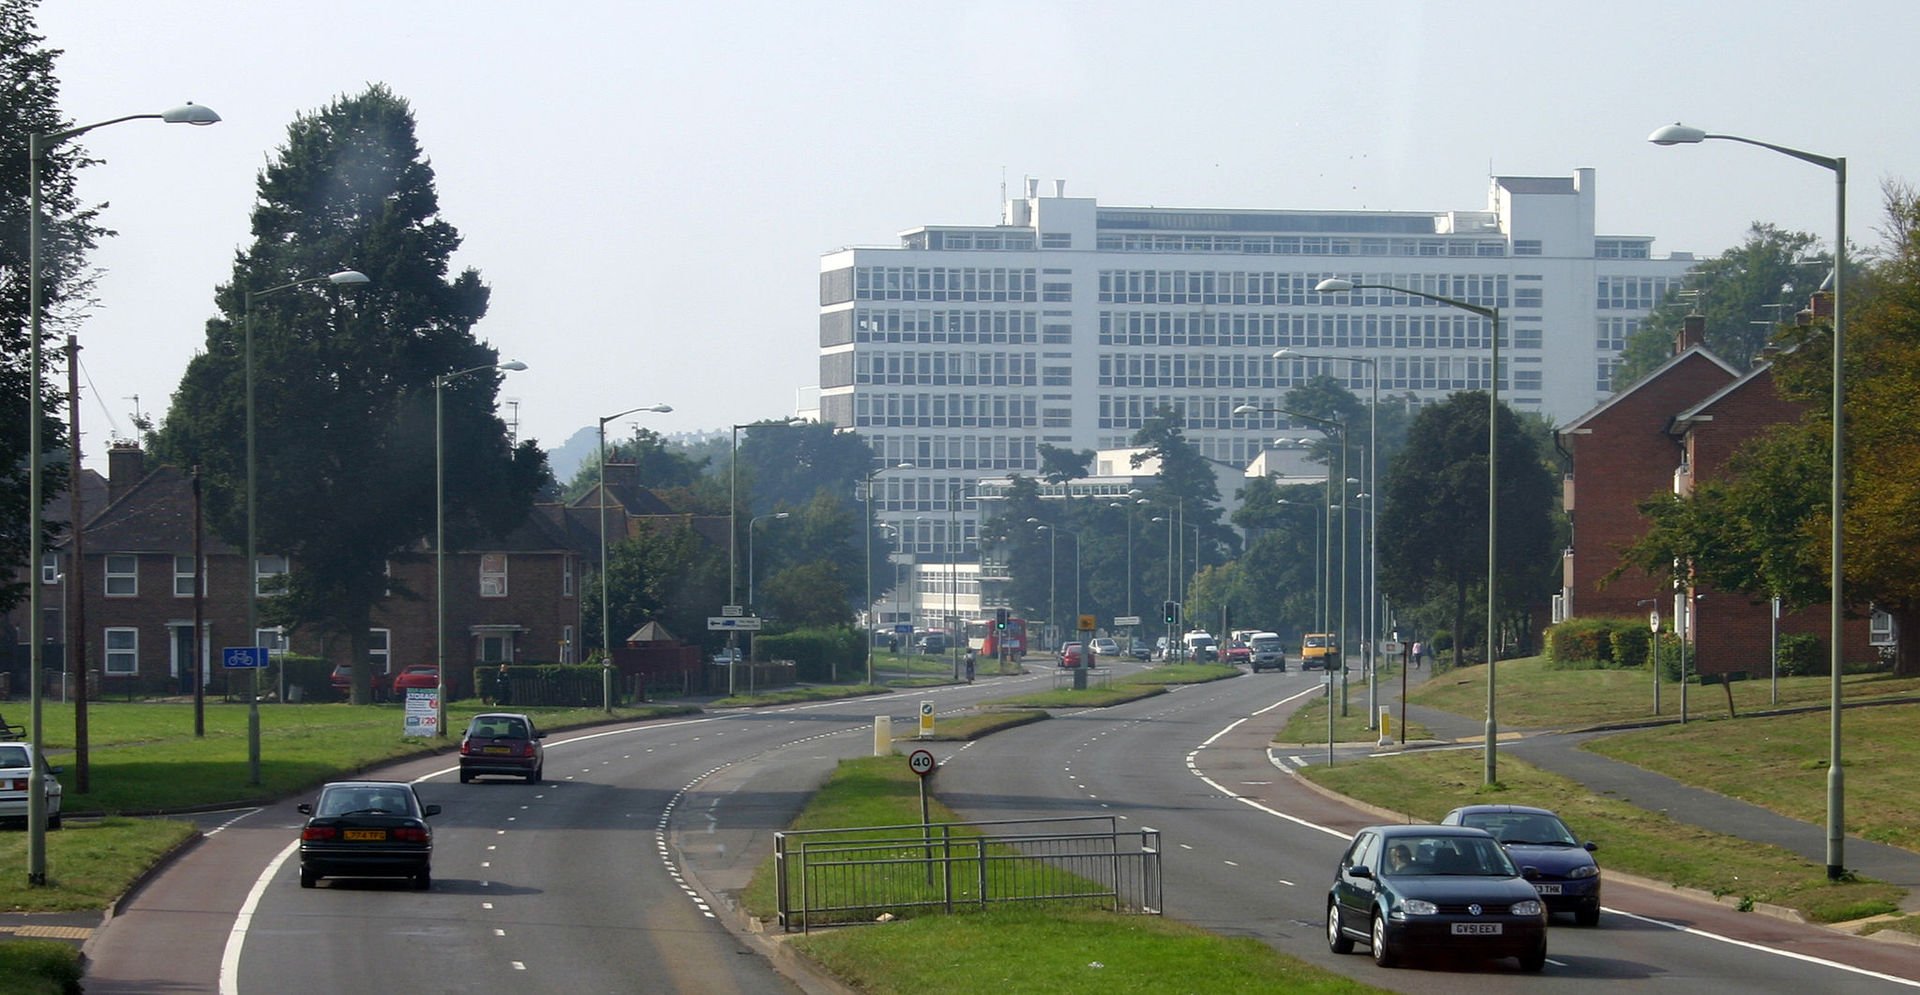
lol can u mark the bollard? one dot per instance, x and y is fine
(883, 735)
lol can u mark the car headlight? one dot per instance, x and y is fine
(1529, 907)
(1587, 871)
(1418, 907)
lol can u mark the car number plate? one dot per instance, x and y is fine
(497, 749)
(1546, 889)
(1476, 929)
(373, 835)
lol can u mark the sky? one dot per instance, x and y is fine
(648, 187)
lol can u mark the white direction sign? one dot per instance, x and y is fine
(1120, 620)
(732, 611)
(747, 622)
(920, 762)
(1653, 620)
(1392, 647)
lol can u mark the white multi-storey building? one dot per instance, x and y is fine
(963, 348)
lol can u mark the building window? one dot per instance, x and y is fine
(493, 575)
(495, 648)
(123, 578)
(123, 651)
(50, 568)
(183, 576)
(1056, 240)
(380, 650)
(1526, 246)
(1525, 337)
(1527, 297)
(274, 639)
(269, 575)
(1056, 292)
(566, 576)
(1526, 379)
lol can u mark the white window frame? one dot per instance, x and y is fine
(493, 575)
(566, 576)
(50, 568)
(274, 639)
(127, 578)
(178, 590)
(380, 650)
(123, 659)
(264, 566)
(496, 648)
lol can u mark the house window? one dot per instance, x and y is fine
(566, 576)
(50, 568)
(274, 639)
(123, 580)
(123, 651)
(493, 575)
(380, 650)
(269, 573)
(183, 576)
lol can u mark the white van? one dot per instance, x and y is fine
(1201, 646)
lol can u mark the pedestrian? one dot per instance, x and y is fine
(1416, 654)
(503, 687)
(893, 645)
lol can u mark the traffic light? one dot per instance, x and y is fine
(1000, 619)
(1172, 611)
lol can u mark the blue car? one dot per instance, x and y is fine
(1442, 890)
(1566, 877)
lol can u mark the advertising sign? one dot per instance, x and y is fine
(423, 713)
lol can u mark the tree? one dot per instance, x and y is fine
(1433, 524)
(1745, 294)
(29, 99)
(659, 465)
(666, 574)
(345, 431)
(808, 595)
(1059, 465)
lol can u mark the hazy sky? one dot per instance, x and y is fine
(648, 187)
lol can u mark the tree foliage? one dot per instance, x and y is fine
(29, 105)
(1059, 465)
(1747, 294)
(345, 407)
(666, 574)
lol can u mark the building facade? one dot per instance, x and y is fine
(962, 349)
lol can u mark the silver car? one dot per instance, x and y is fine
(16, 766)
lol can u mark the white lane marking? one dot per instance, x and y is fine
(237, 935)
(1747, 944)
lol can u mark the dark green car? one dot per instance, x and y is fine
(1452, 890)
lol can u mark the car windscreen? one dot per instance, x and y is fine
(1522, 827)
(1455, 855)
(13, 756)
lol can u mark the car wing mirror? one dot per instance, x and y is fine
(303, 808)
(1590, 846)
(56, 769)
(1360, 871)
(430, 810)
(1530, 872)
(539, 735)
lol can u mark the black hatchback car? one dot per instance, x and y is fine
(502, 743)
(367, 829)
(1566, 875)
(1449, 890)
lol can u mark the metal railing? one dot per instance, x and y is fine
(844, 876)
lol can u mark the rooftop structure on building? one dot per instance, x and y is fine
(963, 348)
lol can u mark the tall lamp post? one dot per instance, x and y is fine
(1492, 314)
(606, 624)
(1678, 134)
(733, 527)
(1053, 578)
(1370, 614)
(440, 538)
(868, 497)
(751, 522)
(1319, 528)
(36, 788)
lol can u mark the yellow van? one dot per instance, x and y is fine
(1317, 650)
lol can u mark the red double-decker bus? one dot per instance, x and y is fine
(985, 640)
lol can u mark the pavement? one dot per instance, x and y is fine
(1555, 751)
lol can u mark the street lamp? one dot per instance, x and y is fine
(1319, 529)
(1053, 577)
(733, 526)
(751, 522)
(868, 492)
(1679, 134)
(440, 540)
(606, 624)
(1371, 581)
(36, 789)
(1492, 314)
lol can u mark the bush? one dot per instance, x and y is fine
(1632, 647)
(1591, 642)
(1801, 655)
(818, 654)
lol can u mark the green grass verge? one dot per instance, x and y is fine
(1308, 723)
(1133, 687)
(1053, 950)
(39, 967)
(1059, 952)
(792, 695)
(1425, 786)
(967, 727)
(89, 864)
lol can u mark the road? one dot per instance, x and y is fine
(610, 875)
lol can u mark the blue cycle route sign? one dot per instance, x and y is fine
(244, 657)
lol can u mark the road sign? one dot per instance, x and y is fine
(903, 628)
(1120, 620)
(1653, 620)
(926, 718)
(244, 657)
(920, 762)
(1392, 647)
(732, 611)
(729, 623)
(1086, 623)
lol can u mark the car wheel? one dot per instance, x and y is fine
(1588, 915)
(1382, 952)
(466, 777)
(1337, 939)
(308, 879)
(423, 880)
(1534, 960)
(53, 821)
(539, 774)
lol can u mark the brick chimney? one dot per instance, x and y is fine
(126, 464)
(1693, 332)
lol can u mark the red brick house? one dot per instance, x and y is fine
(1678, 425)
(514, 599)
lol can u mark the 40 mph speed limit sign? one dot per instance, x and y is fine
(920, 762)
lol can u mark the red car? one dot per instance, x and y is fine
(342, 681)
(1237, 654)
(418, 675)
(1073, 655)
